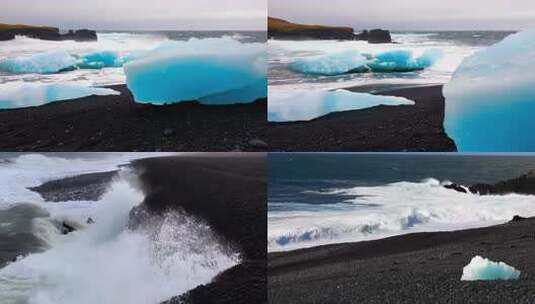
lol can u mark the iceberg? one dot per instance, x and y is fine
(212, 71)
(490, 100)
(43, 63)
(303, 105)
(99, 60)
(17, 95)
(403, 61)
(60, 61)
(481, 269)
(332, 64)
(355, 62)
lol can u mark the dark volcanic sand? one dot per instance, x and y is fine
(117, 123)
(382, 128)
(414, 268)
(84, 187)
(229, 191)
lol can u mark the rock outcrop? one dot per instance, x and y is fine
(375, 36)
(524, 184)
(282, 29)
(9, 31)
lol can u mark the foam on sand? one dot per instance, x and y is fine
(490, 101)
(306, 105)
(214, 70)
(482, 269)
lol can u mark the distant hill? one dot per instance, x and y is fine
(9, 31)
(282, 29)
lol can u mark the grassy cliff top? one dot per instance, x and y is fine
(5, 27)
(275, 24)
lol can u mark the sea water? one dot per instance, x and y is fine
(316, 199)
(103, 262)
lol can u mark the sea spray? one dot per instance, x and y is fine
(108, 263)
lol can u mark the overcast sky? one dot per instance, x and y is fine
(410, 14)
(138, 14)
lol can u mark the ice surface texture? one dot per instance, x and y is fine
(17, 95)
(481, 269)
(212, 71)
(355, 62)
(306, 105)
(331, 64)
(490, 101)
(59, 61)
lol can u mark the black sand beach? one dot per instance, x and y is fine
(117, 123)
(413, 268)
(228, 191)
(416, 128)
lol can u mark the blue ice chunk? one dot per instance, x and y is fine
(303, 105)
(99, 60)
(331, 64)
(481, 269)
(17, 95)
(403, 61)
(246, 94)
(43, 63)
(490, 101)
(355, 62)
(214, 71)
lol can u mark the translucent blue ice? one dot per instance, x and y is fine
(490, 101)
(59, 61)
(332, 64)
(213, 71)
(481, 269)
(44, 63)
(17, 95)
(99, 60)
(403, 61)
(303, 105)
(355, 62)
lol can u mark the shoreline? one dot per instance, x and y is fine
(117, 123)
(228, 191)
(417, 268)
(416, 128)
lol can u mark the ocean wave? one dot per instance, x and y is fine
(391, 209)
(148, 265)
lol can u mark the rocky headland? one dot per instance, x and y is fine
(9, 31)
(282, 29)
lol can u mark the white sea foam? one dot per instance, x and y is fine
(382, 211)
(282, 52)
(105, 262)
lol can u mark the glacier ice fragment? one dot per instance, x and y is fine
(302, 105)
(17, 95)
(490, 100)
(212, 71)
(482, 269)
